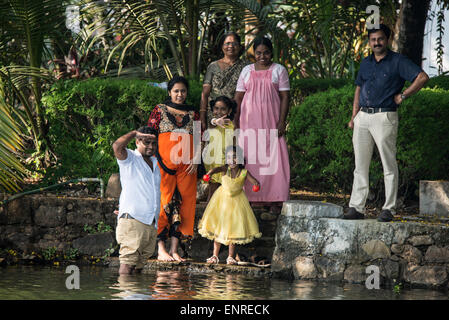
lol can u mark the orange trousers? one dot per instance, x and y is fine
(176, 155)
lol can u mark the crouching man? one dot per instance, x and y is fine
(139, 202)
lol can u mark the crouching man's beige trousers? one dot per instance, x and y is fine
(382, 129)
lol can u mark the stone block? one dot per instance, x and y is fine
(411, 254)
(420, 240)
(304, 268)
(436, 254)
(397, 248)
(329, 269)
(311, 209)
(94, 244)
(425, 275)
(84, 216)
(376, 249)
(18, 211)
(355, 274)
(434, 198)
(49, 216)
(114, 188)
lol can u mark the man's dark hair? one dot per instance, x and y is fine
(383, 28)
(148, 130)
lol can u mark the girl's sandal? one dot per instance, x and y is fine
(230, 260)
(213, 260)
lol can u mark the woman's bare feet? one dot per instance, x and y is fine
(177, 257)
(164, 256)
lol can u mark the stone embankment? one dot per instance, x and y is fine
(308, 240)
(313, 242)
(35, 225)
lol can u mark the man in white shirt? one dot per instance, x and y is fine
(139, 202)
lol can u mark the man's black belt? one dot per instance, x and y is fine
(376, 110)
(126, 216)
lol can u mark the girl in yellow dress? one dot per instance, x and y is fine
(220, 136)
(228, 218)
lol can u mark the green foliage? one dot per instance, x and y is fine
(423, 139)
(321, 149)
(320, 143)
(71, 254)
(101, 227)
(441, 82)
(86, 117)
(301, 88)
(49, 253)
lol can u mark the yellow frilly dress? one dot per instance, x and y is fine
(228, 218)
(219, 139)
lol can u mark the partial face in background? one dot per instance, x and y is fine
(178, 93)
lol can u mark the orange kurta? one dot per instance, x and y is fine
(176, 151)
(186, 184)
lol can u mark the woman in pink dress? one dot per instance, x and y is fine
(262, 97)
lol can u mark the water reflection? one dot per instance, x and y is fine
(172, 285)
(23, 282)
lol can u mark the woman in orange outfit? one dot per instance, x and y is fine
(174, 121)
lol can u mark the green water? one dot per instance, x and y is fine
(99, 283)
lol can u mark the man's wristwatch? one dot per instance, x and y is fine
(403, 96)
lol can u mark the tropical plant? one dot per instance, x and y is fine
(327, 36)
(27, 24)
(11, 169)
(171, 34)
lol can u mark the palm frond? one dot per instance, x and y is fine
(11, 169)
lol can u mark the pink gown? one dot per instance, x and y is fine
(266, 159)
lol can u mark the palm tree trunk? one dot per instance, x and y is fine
(410, 29)
(192, 20)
